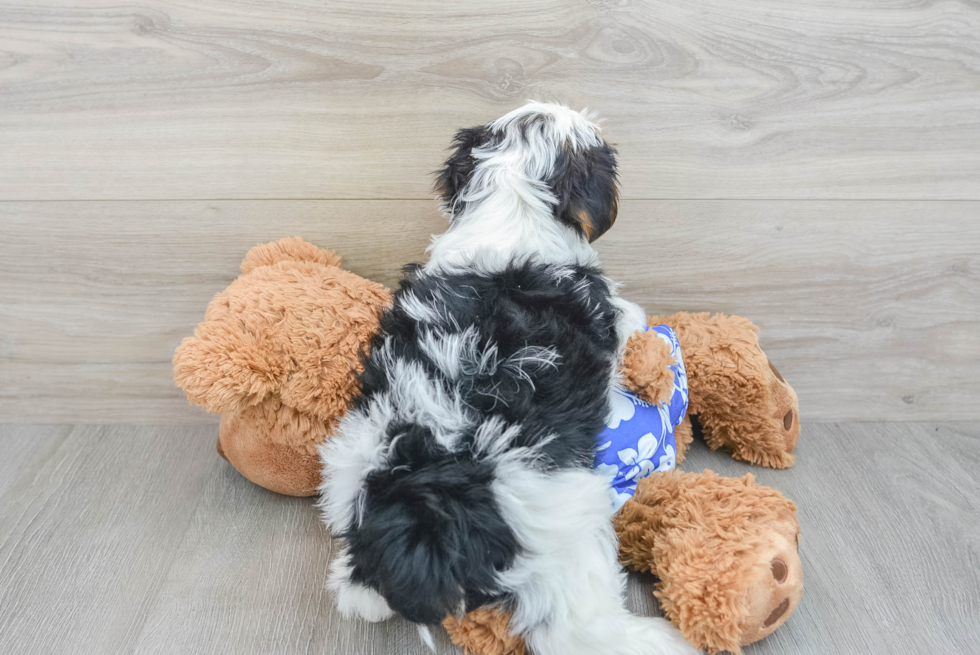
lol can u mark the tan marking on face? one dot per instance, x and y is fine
(585, 221)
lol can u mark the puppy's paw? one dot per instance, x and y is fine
(354, 600)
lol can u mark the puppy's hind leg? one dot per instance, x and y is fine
(567, 585)
(354, 599)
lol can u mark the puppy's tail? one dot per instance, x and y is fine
(431, 537)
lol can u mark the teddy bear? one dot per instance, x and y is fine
(278, 356)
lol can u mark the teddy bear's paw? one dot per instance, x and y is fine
(646, 367)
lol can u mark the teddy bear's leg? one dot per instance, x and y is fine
(253, 442)
(683, 436)
(724, 550)
(484, 631)
(740, 399)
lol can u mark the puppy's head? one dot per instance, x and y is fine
(545, 156)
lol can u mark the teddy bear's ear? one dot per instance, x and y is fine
(226, 370)
(290, 249)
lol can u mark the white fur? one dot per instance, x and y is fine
(348, 457)
(358, 447)
(632, 319)
(456, 353)
(355, 600)
(418, 399)
(459, 354)
(419, 311)
(567, 582)
(508, 215)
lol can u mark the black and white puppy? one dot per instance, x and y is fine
(462, 476)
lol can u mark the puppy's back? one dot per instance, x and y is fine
(470, 369)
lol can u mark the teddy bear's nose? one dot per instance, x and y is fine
(791, 430)
(779, 569)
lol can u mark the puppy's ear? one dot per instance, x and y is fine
(584, 184)
(458, 169)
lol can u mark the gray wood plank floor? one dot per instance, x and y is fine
(128, 539)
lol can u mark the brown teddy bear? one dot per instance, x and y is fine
(278, 356)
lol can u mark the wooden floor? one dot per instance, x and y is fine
(127, 539)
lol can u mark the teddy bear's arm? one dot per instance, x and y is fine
(646, 367)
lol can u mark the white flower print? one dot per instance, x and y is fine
(619, 499)
(640, 462)
(607, 471)
(621, 409)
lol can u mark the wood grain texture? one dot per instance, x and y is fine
(140, 540)
(871, 309)
(889, 537)
(89, 525)
(354, 99)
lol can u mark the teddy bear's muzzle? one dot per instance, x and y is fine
(777, 591)
(787, 407)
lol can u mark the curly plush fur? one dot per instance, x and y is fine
(485, 631)
(722, 548)
(646, 367)
(293, 309)
(710, 540)
(278, 356)
(740, 399)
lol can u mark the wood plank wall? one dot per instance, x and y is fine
(814, 167)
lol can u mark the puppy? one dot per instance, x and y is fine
(462, 476)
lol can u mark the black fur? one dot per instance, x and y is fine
(458, 169)
(584, 182)
(431, 537)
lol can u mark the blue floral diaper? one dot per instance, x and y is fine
(639, 437)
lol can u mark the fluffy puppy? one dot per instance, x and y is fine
(462, 476)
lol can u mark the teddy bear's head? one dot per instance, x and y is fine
(278, 356)
(739, 398)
